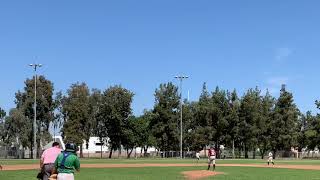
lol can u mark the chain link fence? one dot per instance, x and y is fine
(13, 153)
(17, 153)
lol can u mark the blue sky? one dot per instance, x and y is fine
(140, 44)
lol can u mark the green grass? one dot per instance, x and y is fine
(245, 173)
(177, 161)
(162, 173)
(159, 173)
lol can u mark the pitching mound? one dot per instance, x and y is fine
(191, 175)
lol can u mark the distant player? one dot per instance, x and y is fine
(198, 156)
(270, 158)
(212, 158)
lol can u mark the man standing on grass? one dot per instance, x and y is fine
(67, 162)
(47, 160)
(212, 158)
(198, 156)
(270, 158)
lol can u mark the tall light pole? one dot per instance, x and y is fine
(181, 78)
(35, 66)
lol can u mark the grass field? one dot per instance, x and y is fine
(164, 161)
(157, 173)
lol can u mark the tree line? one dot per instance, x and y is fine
(219, 117)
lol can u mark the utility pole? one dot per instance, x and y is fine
(181, 78)
(35, 66)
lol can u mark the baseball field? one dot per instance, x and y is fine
(154, 169)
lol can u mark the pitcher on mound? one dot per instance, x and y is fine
(212, 158)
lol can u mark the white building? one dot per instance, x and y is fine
(149, 150)
(94, 146)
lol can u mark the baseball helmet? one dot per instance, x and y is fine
(71, 147)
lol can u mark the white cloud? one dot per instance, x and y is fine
(283, 53)
(277, 81)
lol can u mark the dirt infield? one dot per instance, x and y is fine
(36, 166)
(194, 175)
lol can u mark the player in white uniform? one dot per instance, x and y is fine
(270, 158)
(198, 156)
(212, 158)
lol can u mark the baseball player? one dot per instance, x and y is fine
(48, 158)
(211, 158)
(67, 162)
(270, 158)
(198, 156)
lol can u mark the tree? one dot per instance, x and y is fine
(310, 129)
(2, 123)
(233, 120)
(115, 110)
(142, 127)
(100, 130)
(200, 135)
(284, 125)
(211, 119)
(166, 117)
(264, 125)
(307, 135)
(250, 117)
(18, 129)
(97, 121)
(45, 107)
(59, 116)
(2, 113)
(90, 126)
(130, 135)
(219, 108)
(318, 104)
(77, 111)
(189, 111)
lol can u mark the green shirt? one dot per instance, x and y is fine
(71, 163)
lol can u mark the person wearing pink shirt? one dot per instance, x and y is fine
(48, 158)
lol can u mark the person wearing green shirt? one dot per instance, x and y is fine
(67, 162)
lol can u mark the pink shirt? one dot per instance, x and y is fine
(50, 155)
